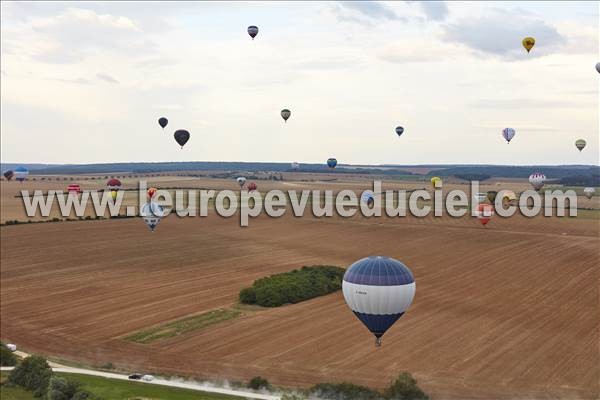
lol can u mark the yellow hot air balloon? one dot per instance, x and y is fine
(434, 180)
(528, 43)
(114, 194)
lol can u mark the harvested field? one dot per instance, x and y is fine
(507, 311)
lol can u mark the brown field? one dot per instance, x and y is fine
(507, 311)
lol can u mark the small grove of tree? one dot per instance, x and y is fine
(33, 374)
(64, 389)
(7, 358)
(258, 382)
(294, 286)
(404, 387)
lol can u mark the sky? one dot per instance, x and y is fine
(85, 82)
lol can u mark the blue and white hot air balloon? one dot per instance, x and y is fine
(21, 174)
(368, 197)
(152, 213)
(378, 290)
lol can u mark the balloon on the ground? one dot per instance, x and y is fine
(151, 192)
(435, 180)
(378, 290)
(252, 186)
(181, 137)
(368, 197)
(484, 213)
(580, 144)
(152, 213)
(21, 174)
(162, 121)
(491, 195)
(508, 134)
(528, 43)
(537, 180)
(589, 192)
(113, 184)
(285, 114)
(295, 165)
(9, 175)
(241, 181)
(74, 188)
(399, 130)
(331, 162)
(253, 31)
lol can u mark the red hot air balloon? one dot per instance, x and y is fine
(484, 213)
(74, 188)
(113, 184)
(151, 192)
(252, 186)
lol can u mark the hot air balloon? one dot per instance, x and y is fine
(528, 43)
(491, 196)
(113, 184)
(378, 290)
(331, 162)
(151, 192)
(251, 186)
(508, 197)
(508, 134)
(399, 130)
(484, 213)
(152, 213)
(114, 194)
(21, 174)
(580, 144)
(181, 137)
(241, 181)
(285, 114)
(598, 67)
(589, 192)
(368, 197)
(480, 197)
(295, 165)
(253, 31)
(74, 188)
(537, 180)
(162, 121)
(9, 175)
(435, 180)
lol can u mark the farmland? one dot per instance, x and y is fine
(506, 311)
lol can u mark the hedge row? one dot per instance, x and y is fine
(294, 286)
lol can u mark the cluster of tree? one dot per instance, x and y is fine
(258, 383)
(404, 387)
(581, 180)
(34, 374)
(294, 286)
(7, 357)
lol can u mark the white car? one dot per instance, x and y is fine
(147, 378)
(11, 347)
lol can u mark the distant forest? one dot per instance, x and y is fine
(569, 175)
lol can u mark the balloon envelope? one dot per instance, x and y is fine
(74, 188)
(331, 162)
(508, 134)
(484, 213)
(491, 195)
(435, 180)
(598, 67)
(528, 43)
(589, 192)
(113, 184)
(537, 180)
(21, 173)
(580, 144)
(151, 213)
(162, 121)
(399, 130)
(285, 114)
(241, 181)
(181, 137)
(9, 175)
(151, 192)
(368, 197)
(378, 290)
(253, 31)
(252, 186)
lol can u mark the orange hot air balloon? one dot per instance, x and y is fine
(151, 192)
(484, 213)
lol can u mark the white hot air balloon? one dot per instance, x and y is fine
(589, 192)
(241, 181)
(537, 180)
(152, 213)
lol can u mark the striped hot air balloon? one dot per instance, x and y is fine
(537, 180)
(378, 290)
(508, 134)
(74, 188)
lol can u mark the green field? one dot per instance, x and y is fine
(181, 326)
(111, 389)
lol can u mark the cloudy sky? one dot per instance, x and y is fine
(86, 82)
